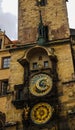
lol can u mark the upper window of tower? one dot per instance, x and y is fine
(41, 2)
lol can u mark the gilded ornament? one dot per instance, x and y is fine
(40, 85)
(41, 113)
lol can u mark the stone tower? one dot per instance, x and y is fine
(54, 15)
(40, 93)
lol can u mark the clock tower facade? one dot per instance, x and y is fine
(43, 74)
(54, 14)
(37, 73)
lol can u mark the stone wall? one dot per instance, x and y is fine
(64, 69)
(54, 15)
(16, 76)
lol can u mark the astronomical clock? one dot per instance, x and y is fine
(40, 87)
(41, 113)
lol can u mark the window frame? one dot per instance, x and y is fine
(19, 92)
(7, 64)
(46, 63)
(3, 89)
(34, 65)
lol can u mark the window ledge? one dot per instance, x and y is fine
(4, 68)
(1, 95)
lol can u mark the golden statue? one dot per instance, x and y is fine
(26, 112)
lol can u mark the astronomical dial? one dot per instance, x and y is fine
(40, 85)
(41, 113)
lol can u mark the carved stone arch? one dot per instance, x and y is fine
(26, 57)
(33, 50)
(38, 56)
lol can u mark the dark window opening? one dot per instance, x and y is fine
(46, 64)
(3, 87)
(0, 43)
(41, 2)
(6, 62)
(46, 33)
(73, 56)
(26, 72)
(7, 47)
(19, 94)
(43, 32)
(34, 65)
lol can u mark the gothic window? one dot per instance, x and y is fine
(41, 2)
(3, 87)
(5, 62)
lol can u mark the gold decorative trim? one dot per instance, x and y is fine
(40, 85)
(41, 113)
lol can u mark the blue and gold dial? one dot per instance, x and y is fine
(40, 85)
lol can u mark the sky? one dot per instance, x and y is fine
(9, 17)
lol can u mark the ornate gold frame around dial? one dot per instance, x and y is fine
(41, 113)
(40, 85)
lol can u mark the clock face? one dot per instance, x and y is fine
(41, 113)
(40, 85)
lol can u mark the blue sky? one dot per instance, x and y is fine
(9, 13)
